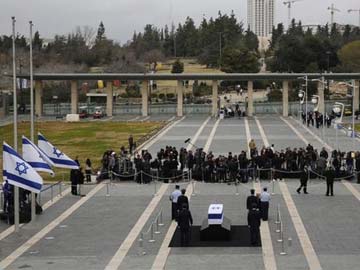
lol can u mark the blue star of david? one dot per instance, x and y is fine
(21, 168)
(57, 152)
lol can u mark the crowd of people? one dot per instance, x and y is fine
(265, 163)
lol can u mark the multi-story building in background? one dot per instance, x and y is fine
(261, 16)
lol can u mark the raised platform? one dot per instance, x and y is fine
(240, 237)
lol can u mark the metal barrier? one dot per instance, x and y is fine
(280, 230)
(153, 229)
(51, 187)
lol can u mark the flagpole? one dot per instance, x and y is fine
(16, 189)
(33, 198)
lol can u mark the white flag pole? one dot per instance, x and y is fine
(33, 213)
(16, 189)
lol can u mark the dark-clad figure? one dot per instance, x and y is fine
(182, 200)
(131, 144)
(252, 199)
(74, 179)
(174, 199)
(185, 222)
(254, 224)
(330, 175)
(303, 181)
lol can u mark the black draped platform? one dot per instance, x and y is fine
(240, 237)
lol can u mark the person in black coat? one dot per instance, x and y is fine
(74, 179)
(254, 224)
(330, 175)
(252, 199)
(303, 181)
(182, 200)
(185, 222)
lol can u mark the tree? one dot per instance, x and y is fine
(240, 60)
(100, 33)
(37, 41)
(349, 56)
(177, 67)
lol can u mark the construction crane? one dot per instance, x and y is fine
(289, 4)
(332, 11)
(355, 10)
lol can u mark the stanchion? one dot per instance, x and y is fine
(273, 187)
(155, 191)
(161, 218)
(107, 189)
(193, 188)
(141, 177)
(151, 240)
(283, 252)
(52, 192)
(39, 197)
(289, 241)
(281, 239)
(277, 221)
(141, 244)
(80, 190)
(60, 188)
(157, 225)
(237, 188)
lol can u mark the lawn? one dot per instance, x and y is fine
(84, 139)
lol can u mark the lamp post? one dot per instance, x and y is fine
(338, 108)
(16, 188)
(305, 78)
(301, 95)
(323, 82)
(353, 86)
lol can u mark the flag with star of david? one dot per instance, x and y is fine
(18, 172)
(35, 157)
(59, 159)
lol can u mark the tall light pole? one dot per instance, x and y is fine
(353, 86)
(16, 188)
(306, 96)
(32, 132)
(302, 99)
(338, 108)
(323, 82)
(32, 136)
(355, 10)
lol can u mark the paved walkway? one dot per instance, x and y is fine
(324, 230)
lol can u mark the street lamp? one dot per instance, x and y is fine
(306, 94)
(338, 108)
(353, 86)
(323, 82)
(301, 96)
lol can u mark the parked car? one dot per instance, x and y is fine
(83, 112)
(99, 112)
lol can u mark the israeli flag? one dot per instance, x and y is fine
(18, 172)
(59, 159)
(35, 157)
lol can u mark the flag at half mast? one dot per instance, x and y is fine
(18, 172)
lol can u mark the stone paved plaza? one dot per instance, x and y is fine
(102, 232)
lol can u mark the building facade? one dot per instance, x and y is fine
(261, 16)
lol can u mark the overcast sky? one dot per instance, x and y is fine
(122, 17)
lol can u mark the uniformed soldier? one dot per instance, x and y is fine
(264, 204)
(303, 181)
(330, 175)
(185, 222)
(252, 199)
(174, 199)
(254, 224)
(182, 199)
